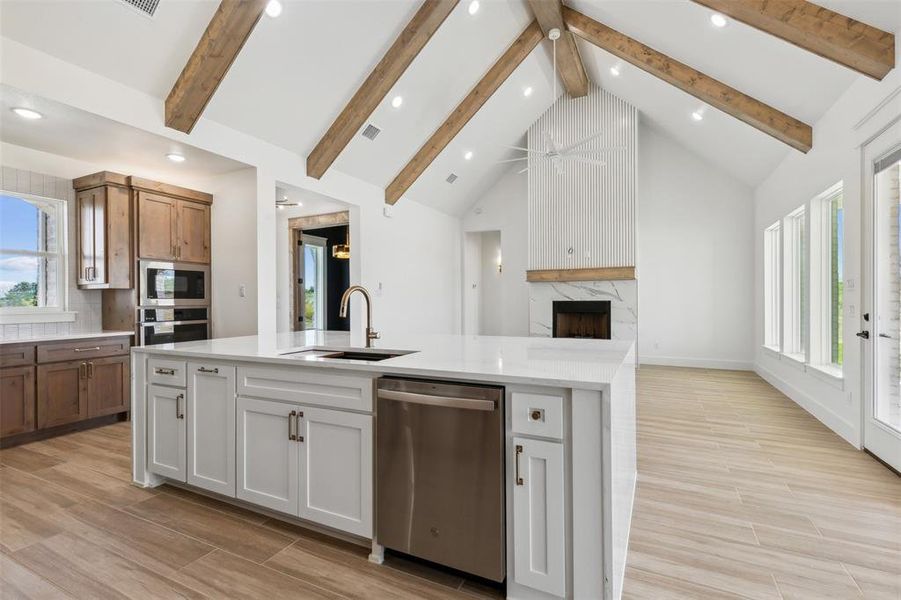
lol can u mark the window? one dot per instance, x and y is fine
(772, 285)
(795, 258)
(314, 277)
(826, 278)
(32, 254)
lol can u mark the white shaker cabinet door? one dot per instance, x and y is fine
(336, 469)
(268, 468)
(211, 427)
(166, 432)
(538, 516)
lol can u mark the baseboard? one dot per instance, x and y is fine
(697, 363)
(822, 413)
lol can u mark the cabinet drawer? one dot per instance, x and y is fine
(164, 371)
(306, 386)
(16, 355)
(82, 349)
(537, 414)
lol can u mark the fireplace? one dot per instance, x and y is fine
(582, 319)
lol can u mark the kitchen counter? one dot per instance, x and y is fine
(66, 337)
(571, 363)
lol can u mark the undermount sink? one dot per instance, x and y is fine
(352, 354)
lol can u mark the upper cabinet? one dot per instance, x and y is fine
(173, 222)
(104, 224)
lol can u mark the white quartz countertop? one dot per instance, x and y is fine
(572, 363)
(66, 337)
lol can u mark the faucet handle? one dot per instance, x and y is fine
(373, 335)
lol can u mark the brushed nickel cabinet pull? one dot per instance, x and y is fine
(297, 427)
(94, 349)
(292, 426)
(178, 413)
(205, 370)
(83, 370)
(519, 480)
(90, 370)
(164, 371)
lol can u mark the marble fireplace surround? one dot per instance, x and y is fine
(623, 297)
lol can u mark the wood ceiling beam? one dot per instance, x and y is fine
(470, 105)
(206, 68)
(549, 14)
(406, 47)
(761, 116)
(829, 34)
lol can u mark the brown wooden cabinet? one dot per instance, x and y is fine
(104, 223)
(173, 222)
(16, 400)
(48, 388)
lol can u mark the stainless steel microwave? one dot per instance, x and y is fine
(165, 283)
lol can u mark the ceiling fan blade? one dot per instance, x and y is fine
(506, 160)
(529, 150)
(522, 171)
(582, 142)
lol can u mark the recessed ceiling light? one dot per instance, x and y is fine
(27, 113)
(527, 92)
(397, 101)
(697, 115)
(273, 8)
(176, 158)
(473, 7)
(614, 71)
(718, 20)
(468, 155)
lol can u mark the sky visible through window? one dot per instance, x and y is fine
(18, 231)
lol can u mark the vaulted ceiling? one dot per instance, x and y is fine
(296, 73)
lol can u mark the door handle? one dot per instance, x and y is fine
(92, 349)
(297, 426)
(90, 370)
(519, 480)
(164, 371)
(205, 370)
(83, 370)
(863, 335)
(178, 413)
(292, 426)
(885, 335)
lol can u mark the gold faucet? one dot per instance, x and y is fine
(371, 334)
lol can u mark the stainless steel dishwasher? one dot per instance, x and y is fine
(440, 473)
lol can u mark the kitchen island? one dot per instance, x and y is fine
(286, 425)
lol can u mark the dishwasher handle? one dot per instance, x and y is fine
(430, 400)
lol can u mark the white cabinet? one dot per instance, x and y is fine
(166, 432)
(211, 427)
(336, 469)
(539, 548)
(268, 472)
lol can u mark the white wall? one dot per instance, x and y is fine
(504, 208)
(695, 257)
(234, 252)
(858, 115)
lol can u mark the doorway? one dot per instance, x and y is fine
(881, 327)
(320, 264)
(483, 292)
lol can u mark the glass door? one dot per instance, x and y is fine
(313, 288)
(881, 331)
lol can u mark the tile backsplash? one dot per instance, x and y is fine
(86, 303)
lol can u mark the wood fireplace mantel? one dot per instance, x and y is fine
(599, 274)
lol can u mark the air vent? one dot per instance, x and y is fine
(147, 7)
(451, 178)
(371, 131)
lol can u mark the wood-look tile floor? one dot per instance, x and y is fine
(741, 495)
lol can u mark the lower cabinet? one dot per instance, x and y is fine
(538, 516)
(16, 400)
(211, 427)
(310, 462)
(62, 393)
(167, 432)
(109, 381)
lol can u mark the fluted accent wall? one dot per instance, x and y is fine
(586, 216)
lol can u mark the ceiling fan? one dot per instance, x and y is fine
(554, 152)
